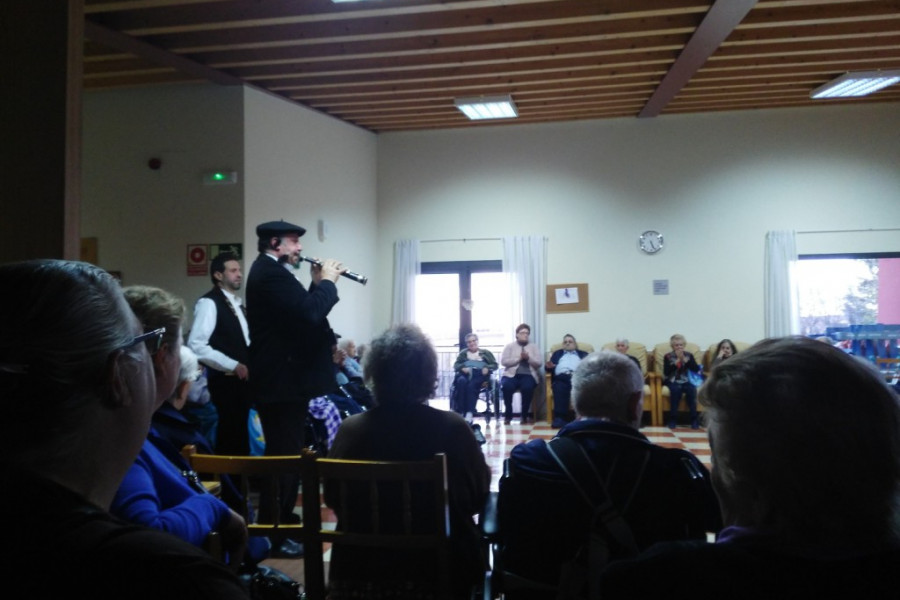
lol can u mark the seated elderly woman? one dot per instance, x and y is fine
(805, 447)
(171, 431)
(403, 427)
(155, 492)
(78, 390)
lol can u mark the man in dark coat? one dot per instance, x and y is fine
(290, 344)
(659, 493)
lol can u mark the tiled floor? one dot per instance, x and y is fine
(500, 440)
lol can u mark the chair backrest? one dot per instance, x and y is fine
(635, 349)
(390, 505)
(266, 470)
(663, 348)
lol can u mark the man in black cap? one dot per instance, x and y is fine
(290, 348)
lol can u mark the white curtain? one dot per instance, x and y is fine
(782, 296)
(524, 260)
(406, 267)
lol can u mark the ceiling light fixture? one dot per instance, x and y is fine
(494, 107)
(861, 83)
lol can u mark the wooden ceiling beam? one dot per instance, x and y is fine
(716, 26)
(325, 18)
(120, 41)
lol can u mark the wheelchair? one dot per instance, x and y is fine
(488, 404)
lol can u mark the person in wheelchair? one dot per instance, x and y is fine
(473, 368)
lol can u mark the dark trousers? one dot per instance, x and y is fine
(205, 417)
(284, 429)
(522, 382)
(562, 395)
(690, 395)
(231, 396)
(472, 389)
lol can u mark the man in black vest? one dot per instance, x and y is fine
(220, 337)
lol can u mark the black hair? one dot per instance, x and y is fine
(218, 265)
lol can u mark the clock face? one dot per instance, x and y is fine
(651, 241)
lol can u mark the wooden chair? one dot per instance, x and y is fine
(266, 470)
(392, 516)
(548, 391)
(663, 401)
(639, 351)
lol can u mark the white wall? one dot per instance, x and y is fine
(293, 163)
(712, 184)
(144, 219)
(303, 166)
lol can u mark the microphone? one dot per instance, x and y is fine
(348, 274)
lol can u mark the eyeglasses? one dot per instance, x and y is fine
(153, 339)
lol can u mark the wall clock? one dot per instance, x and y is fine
(651, 241)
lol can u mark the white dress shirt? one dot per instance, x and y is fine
(205, 315)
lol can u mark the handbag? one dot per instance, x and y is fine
(695, 378)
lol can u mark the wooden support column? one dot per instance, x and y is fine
(40, 128)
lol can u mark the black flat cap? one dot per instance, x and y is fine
(277, 229)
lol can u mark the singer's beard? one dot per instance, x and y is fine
(291, 259)
(521, 343)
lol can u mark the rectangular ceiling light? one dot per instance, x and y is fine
(861, 83)
(495, 107)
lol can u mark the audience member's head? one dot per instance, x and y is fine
(402, 366)
(187, 375)
(725, 349)
(348, 346)
(622, 345)
(75, 379)
(805, 444)
(677, 341)
(471, 342)
(608, 385)
(156, 309)
(825, 339)
(569, 342)
(523, 332)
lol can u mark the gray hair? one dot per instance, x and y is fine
(155, 308)
(401, 364)
(345, 343)
(190, 366)
(470, 336)
(60, 321)
(622, 341)
(603, 384)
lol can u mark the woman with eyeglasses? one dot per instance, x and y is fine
(156, 492)
(78, 392)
